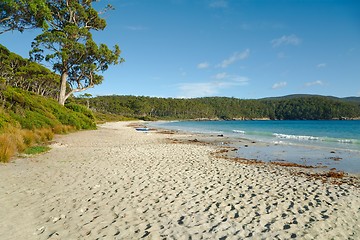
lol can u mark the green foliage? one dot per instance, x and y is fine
(31, 111)
(81, 109)
(18, 72)
(36, 150)
(108, 117)
(6, 121)
(313, 107)
(23, 14)
(299, 107)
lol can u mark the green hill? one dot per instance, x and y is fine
(352, 99)
(347, 99)
(304, 107)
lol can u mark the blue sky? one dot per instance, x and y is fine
(234, 48)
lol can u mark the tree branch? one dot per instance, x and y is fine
(77, 90)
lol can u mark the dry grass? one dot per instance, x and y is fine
(63, 129)
(58, 129)
(43, 135)
(28, 137)
(7, 147)
(69, 129)
(16, 140)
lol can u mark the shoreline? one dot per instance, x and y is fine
(334, 158)
(118, 183)
(225, 148)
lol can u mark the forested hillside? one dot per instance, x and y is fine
(297, 107)
(19, 72)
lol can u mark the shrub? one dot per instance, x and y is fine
(31, 111)
(7, 148)
(80, 109)
(18, 140)
(16, 137)
(43, 135)
(28, 137)
(58, 129)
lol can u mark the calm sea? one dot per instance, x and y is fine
(327, 143)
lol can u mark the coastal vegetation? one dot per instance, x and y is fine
(29, 113)
(28, 120)
(297, 107)
(33, 103)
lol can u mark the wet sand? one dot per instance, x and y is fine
(117, 183)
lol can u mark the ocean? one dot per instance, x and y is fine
(327, 144)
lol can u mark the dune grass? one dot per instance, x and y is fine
(7, 148)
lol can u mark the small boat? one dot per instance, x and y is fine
(142, 129)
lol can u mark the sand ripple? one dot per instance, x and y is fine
(116, 183)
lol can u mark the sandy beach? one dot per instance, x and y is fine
(117, 183)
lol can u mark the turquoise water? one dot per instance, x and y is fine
(304, 142)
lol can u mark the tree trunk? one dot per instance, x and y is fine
(62, 94)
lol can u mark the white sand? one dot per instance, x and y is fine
(116, 183)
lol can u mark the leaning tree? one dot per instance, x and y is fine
(68, 45)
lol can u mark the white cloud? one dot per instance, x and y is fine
(318, 82)
(190, 90)
(286, 40)
(235, 57)
(221, 75)
(321, 65)
(203, 89)
(219, 4)
(234, 78)
(203, 65)
(241, 79)
(279, 85)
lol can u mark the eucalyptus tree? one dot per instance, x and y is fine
(19, 15)
(67, 43)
